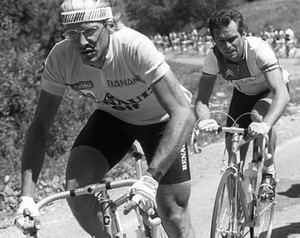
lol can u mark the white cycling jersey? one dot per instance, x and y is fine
(122, 86)
(248, 74)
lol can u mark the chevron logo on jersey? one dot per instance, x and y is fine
(229, 73)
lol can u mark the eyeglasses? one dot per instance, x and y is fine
(75, 34)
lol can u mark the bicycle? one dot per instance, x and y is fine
(239, 210)
(149, 225)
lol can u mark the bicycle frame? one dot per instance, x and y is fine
(260, 153)
(109, 207)
(237, 202)
(237, 165)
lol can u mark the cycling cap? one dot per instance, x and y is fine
(86, 15)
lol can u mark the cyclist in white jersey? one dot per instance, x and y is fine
(260, 84)
(137, 98)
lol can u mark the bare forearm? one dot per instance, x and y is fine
(32, 159)
(202, 111)
(277, 108)
(175, 135)
(205, 89)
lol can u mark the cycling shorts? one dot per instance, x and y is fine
(114, 138)
(240, 104)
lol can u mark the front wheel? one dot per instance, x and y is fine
(228, 218)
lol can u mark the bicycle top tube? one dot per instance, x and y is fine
(88, 189)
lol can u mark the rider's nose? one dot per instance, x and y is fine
(82, 40)
(227, 45)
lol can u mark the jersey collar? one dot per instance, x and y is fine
(244, 48)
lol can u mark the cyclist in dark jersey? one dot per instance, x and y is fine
(260, 84)
(136, 96)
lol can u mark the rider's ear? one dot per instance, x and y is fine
(110, 24)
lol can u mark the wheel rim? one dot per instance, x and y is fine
(228, 217)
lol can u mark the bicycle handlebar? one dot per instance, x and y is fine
(88, 189)
(196, 133)
(232, 130)
(25, 224)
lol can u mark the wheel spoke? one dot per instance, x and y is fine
(228, 216)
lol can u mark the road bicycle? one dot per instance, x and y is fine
(239, 210)
(149, 225)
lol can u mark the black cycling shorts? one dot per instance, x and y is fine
(240, 104)
(114, 138)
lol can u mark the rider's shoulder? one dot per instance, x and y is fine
(255, 43)
(258, 48)
(61, 48)
(127, 35)
(213, 55)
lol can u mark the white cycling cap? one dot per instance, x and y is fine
(87, 15)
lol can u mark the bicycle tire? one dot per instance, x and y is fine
(229, 207)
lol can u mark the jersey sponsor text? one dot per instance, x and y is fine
(126, 104)
(81, 85)
(183, 158)
(123, 82)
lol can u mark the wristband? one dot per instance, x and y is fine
(155, 173)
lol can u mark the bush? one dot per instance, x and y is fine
(27, 32)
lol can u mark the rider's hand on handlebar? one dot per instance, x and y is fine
(208, 126)
(258, 129)
(143, 194)
(28, 211)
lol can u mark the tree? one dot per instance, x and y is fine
(28, 31)
(164, 16)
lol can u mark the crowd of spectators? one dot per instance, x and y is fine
(184, 41)
(284, 42)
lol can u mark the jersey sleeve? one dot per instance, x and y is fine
(210, 65)
(53, 74)
(265, 58)
(150, 63)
